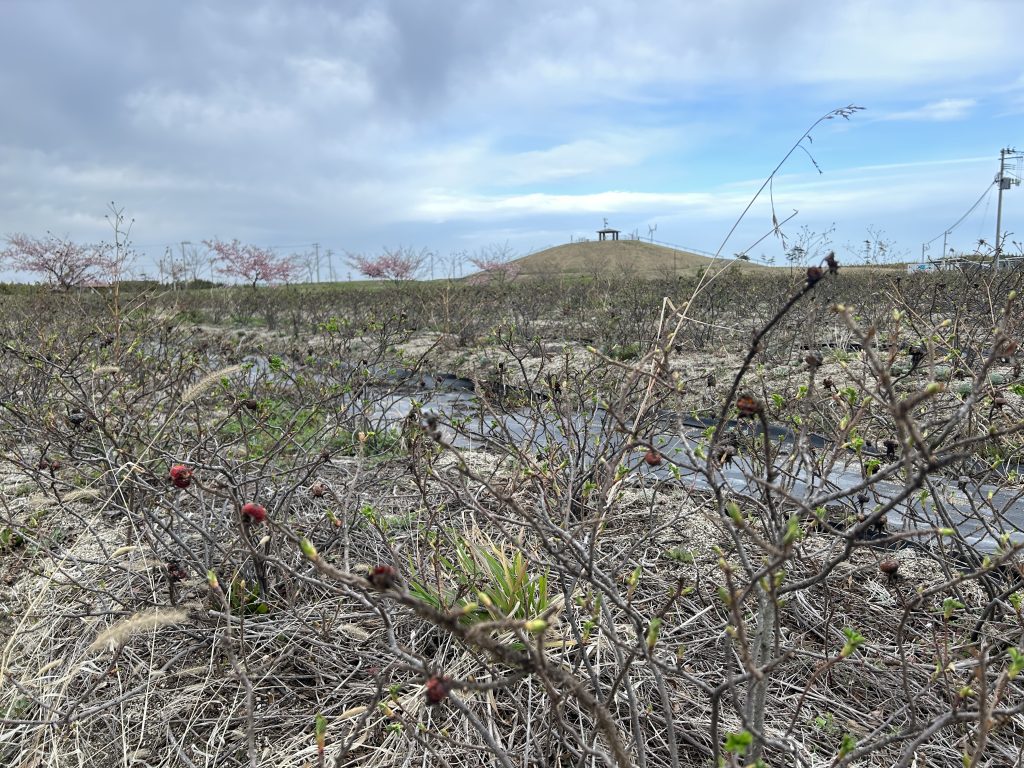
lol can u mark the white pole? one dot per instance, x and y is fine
(999, 205)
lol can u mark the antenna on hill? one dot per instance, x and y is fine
(651, 229)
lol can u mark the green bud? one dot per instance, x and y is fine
(308, 550)
(734, 512)
(634, 577)
(652, 633)
(320, 730)
(535, 625)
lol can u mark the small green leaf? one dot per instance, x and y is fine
(848, 745)
(738, 743)
(854, 640)
(949, 606)
(634, 577)
(793, 530)
(1016, 662)
(680, 555)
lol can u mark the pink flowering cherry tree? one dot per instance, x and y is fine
(62, 263)
(250, 263)
(494, 264)
(398, 264)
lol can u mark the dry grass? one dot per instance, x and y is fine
(156, 686)
(616, 257)
(102, 663)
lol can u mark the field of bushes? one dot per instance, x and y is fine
(737, 518)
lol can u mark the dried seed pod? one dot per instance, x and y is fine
(889, 567)
(175, 571)
(748, 406)
(725, 455)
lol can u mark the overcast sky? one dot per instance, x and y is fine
(455, 124)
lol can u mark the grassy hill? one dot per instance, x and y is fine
(614, 256)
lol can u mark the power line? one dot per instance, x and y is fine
(269, 247)
(988, 190)
(984, 219)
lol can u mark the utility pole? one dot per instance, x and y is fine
(316, 251)
(1004, 182)
(164, 264)
(183, 260)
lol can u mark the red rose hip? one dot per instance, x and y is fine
(181, 475)
(383, 577)
(254, 512)
(437, 689)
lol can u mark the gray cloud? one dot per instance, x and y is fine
(357, 121)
